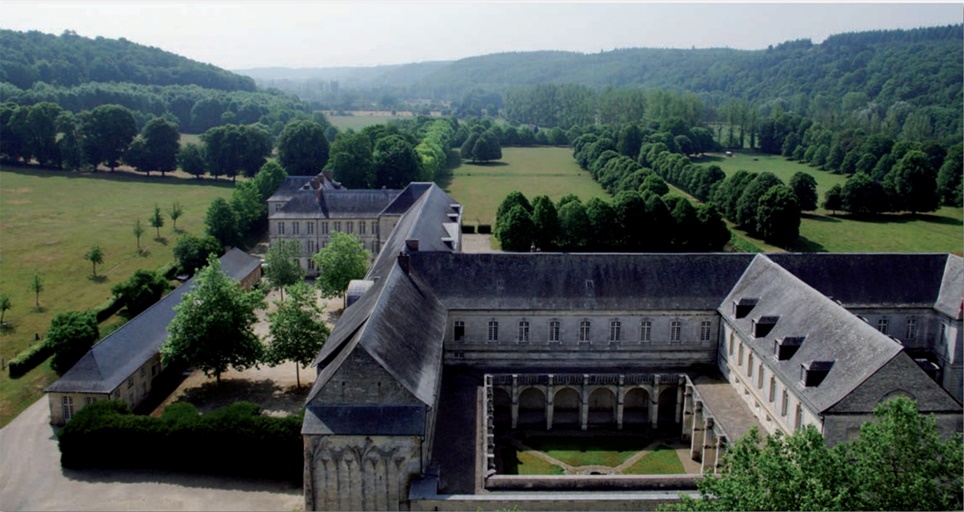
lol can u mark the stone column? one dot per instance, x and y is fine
(708, 464)
(584, 403)
(515, 401)
(654, 403)
(549, 404)
(619, 403)
(696, 439)
(687, 413)
(720, 449)
(680, 386)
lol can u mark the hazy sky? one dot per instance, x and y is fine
(237, 34)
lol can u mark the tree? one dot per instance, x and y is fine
(339, 262)
(95, 255)
(297, 330)
(515, 231)
(778, 216)
(950, 176)
(915, 182)
(36, 286)
(4, 306)
(140, 292)
(138, 230)
(212, 327)
(161, 137)
(269, 178)
(512, 199)
(156, 220)
(805, 188)
(352, 161)
(191, 159)
(833, 199)
(107, 132)
(281, 266)
(192, 252)
(545, 223)
(574, 227)
(395, 162)
(746, 206)
(176, 211)
(303, 148)
(222, 223)
(69, 337)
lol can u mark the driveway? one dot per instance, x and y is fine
(31, 479)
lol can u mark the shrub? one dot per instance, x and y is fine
(29, 359)
(234, 440)
(485, 229)
(468, 229)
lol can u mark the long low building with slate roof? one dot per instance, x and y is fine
(125, 363)
(438, 346)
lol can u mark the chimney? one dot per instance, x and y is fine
(403, 261)
(329, 175)
(315, 183)
(411, 245)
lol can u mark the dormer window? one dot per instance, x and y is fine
(590, 288)
(742, 307)
(764, 325)
(813, 373)
(785, 348)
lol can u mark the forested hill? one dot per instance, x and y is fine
(68, 60)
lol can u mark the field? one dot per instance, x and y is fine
(939, 231)
(532, 171)
(359, 120)
(50, 219)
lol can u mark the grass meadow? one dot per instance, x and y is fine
(533, 171)
(360, 120)
(48, 221)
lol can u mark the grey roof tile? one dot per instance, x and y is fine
(373, 420)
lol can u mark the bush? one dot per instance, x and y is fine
(485, 229)
(29, 359)
(468, 229)
(107, 308)
(226, 441)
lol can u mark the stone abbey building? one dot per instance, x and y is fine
(439, 346)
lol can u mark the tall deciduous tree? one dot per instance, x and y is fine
(70, 336)
(915, 182)
(833, 199)
(805, 188)
(212, 327)
(297, 330)
(352, 160)
(515, 230)
(950, 176)
(395, 162)
(343, 259)
(107, 131)
(222, 223)
(161, 137)
(191, 159)
(303, 148)
(778, 216)
(545, 222)
(95, 255)
(281, 266)
(192, 252)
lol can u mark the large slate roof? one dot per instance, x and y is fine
(372, 420)
(831, 333)
(562, 281)
(950, 300)
(115, 358)
(870, 280)
(337, 204)
(290, 187)
(413, 192)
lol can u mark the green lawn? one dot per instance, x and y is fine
(49, 219)
(939, 231)
(661, 461)
(533, 171)
(589, 451)
(360, 120)
(529, 464)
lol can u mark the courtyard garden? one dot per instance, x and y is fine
(582, 453)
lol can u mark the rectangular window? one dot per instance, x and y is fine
(646, 331)
(154, 370)
(374, 227)
(705, 330)
(281, 228)
(67, 403)
(295, 228)
(731, 344)
(493, 330)
(674, 331)
(311, 228)
(459, 330)
(739, 357)
(311, 246)
(89, 400)
(323, 229)
(277, 207)
(584, 330)
(524, 330)
(614, 330)
(749, 365)
(361, 227)
(773, 389)
(798, 418)
(783, 403)
(143, 371)
(911, 328)
(311, 264)
(882, 324)
(130, 382)
(337, 226)
(759, 376)
(554, 330)
(349, 227)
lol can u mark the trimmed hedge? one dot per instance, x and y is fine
(468, 229)
(485, 229)
(29, 359)
(107, 309)
(235, 440)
